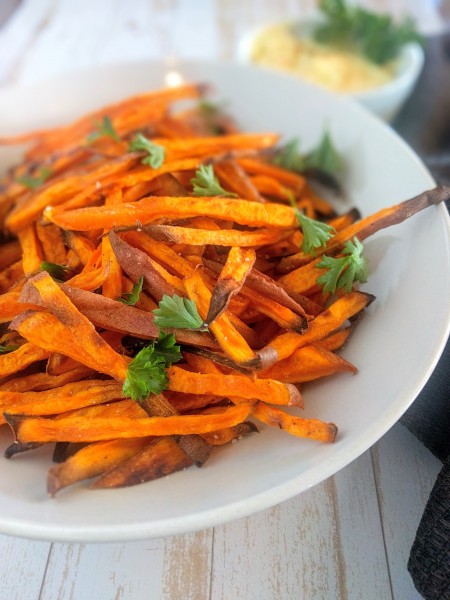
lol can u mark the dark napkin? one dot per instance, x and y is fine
(425, 124)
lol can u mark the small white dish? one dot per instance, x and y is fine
(385, 100)
(395, 346)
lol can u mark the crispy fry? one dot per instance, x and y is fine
(310, 428)
(147, 210)
(92, 460)
(230, 340)
(158, 459)
(87, 346)
(231, 279)
(62, 399)
(17, 360)
(328, 321)
(75, 429)
(306, 364)
(267, 390)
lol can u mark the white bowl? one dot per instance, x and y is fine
(395, 346)
(385, 100)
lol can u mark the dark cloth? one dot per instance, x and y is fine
(429, 560)
(425, 125)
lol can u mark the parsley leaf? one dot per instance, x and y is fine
(156, 154)
(146, 373)
(167, 347)
(56, 271)
(324, 156)
(105, 127)
(315, 233)
(178, 313)
(206, 183)
(8, 348)
(342, 272)
(133, 297)
(34, 182)
(374, 35)
(289, 157)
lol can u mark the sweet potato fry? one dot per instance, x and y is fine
(92, 460)
(32, 255)
(224, 436)
(137, 264)
(267, 390)
(309, 428)
(38, 382)
(62, 399)
(75, 429)
(231, 279)
(52, 243)
(10, 253)
(158, 459)
(306, 364)
(147, 210)
(87, 346)
(230, 340)
(17, 360)
(234, 178)
(328, 321)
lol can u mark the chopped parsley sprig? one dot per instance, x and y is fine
(323, 157)
(205, 183)
(178, 313)
(315, 233)
(55, 270)
(376, 36)
(344, 271)
(34, 182)
(103, 128)
(146, 373)
(156, 154)
(133, 297)
(5, 349)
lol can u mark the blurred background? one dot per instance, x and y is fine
(41, 38)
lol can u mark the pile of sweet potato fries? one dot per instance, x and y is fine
(104, 223)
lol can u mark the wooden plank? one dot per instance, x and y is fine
(22, 568)
(312, 546)
(405, 474)
(176, 567)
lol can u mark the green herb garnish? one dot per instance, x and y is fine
(178, 313)
(206, 183)
(55, 270)
(34, 182)
(146, 373)
(315, 233)
(376, 36)
(343, 272)
(156, 154)
(8, 348)
(289, 157)
(105, 127)
(324, 157)
(133, 297)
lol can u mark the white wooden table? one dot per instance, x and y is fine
(347, 538)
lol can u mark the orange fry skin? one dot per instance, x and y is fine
(74, 429)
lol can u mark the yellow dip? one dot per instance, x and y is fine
(340, 70)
